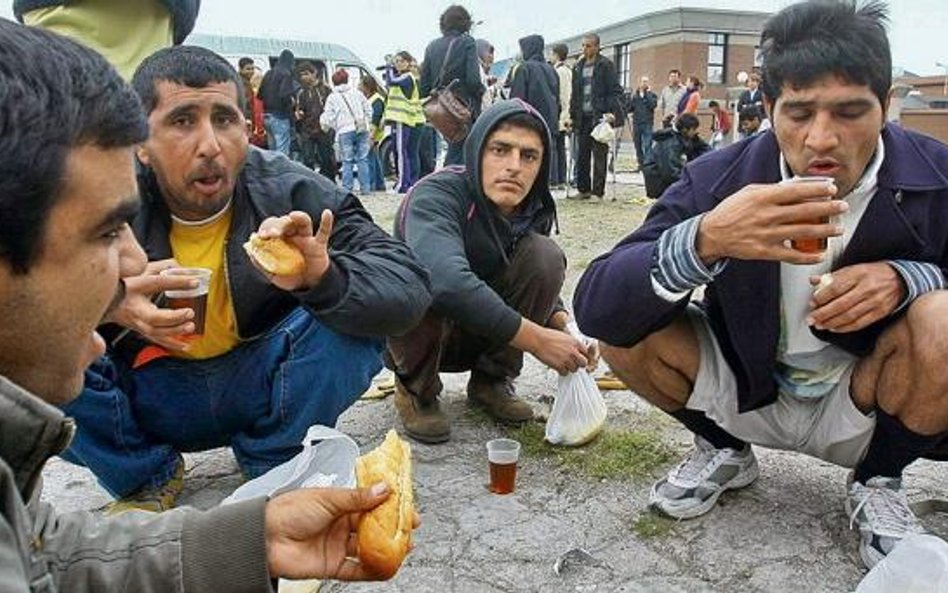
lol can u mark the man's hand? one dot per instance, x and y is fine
(310, 532)
(857, 297)
(560, 320)
(756, 222)
(138, 309)
(554, 348)
(297, 228)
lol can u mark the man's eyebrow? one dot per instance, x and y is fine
(803, 104)
(183, 109)
(123, 213)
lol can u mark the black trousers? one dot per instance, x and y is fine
(531, 284)
(589, 152)
(318, 150)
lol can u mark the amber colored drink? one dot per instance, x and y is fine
(502, 477)
(817, 245)
(198, 304)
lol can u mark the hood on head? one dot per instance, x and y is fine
(286, 60)
(474, 147)
(531, 47)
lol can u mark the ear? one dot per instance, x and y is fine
(769, 107)
(142, 153)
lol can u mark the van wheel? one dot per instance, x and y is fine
(389, 156)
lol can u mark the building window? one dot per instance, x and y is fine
(623, 63)
(717, 52)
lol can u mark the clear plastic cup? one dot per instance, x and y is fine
(190, 298)
(502, 456)
(810, 245)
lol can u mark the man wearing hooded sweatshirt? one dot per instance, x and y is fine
(277, 91)
(536, 82)
(483, 232)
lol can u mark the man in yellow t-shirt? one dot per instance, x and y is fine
(278, 353)
(124, 32)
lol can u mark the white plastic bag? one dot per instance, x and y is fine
(917, 564)
(327, 459)
(603, 132)
(579, 411)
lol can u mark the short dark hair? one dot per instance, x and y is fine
(713, 103)
(369, 84)
(524, 120)
(187, 65)
(55, 95)
(593, 36)
(809, 40)
(455, 18)
(405, 56)
(306, 66)
(675, 71)
(687, 121)
(749, 112)
(244, 61)
(560, 50)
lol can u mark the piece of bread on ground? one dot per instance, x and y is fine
(384, 533)
(275, 255)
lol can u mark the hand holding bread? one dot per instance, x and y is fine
(288, 251)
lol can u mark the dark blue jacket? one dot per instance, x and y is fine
(536, 82)
(906, 219)
(183, 13)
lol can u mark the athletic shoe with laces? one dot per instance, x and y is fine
(881, 511)
(692, 488)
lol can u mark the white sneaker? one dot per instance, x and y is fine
(692, 488)
(882, 513)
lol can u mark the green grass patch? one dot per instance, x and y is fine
(650, 525)
(615, 454)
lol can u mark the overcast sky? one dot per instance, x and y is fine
(373, 28)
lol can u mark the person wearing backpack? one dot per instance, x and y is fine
(348, 113)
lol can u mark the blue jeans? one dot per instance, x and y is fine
(279, 132)
(259, 398)
(642, 137)
(376, 178)
(355, 151)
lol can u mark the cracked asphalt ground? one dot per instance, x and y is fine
(786, 532)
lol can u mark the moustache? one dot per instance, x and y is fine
(207, 169)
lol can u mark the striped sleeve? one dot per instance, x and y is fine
(676, 267)
(919, 278)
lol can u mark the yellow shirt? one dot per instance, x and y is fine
(125, 32)
(202, 246)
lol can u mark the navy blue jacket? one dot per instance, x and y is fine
(906, 219)
(183, 13)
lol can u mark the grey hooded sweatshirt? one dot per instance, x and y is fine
(42, 551)
(462, 237)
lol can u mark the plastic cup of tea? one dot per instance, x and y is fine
(190, 298)
(817, 244)
(502, 456)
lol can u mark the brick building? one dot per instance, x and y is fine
(712, 44)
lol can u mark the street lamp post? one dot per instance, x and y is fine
(944, 90)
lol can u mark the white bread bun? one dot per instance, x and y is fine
(384, 533)
(275, 255)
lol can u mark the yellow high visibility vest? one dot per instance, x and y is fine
(400, 108)
(379, 131)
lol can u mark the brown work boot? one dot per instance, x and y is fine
(424, 422)
(153, 499)
(498, 399)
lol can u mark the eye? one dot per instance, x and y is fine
(114, 233)
(181, 121)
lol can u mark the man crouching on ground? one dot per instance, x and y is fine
(837, 352)
(483, 232)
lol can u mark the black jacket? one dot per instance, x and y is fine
(278, 87)
(536, 82)
(643, 107)
(670, 152)
(465, 241)
(374, 287)
(183, 13)
(606, 92)
(463, 66)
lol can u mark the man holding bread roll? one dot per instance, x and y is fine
(69, 192)
(496, 275)
(303, 289)
(822, 249)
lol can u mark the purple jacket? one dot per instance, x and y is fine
(907, 219)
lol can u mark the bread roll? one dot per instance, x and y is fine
(384, 533)
(275, 255)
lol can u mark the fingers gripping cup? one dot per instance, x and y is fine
(817, 244)
(190, 298)
(502, 456)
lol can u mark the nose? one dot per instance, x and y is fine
(208, 144)
(822, 136)
(132, 258)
